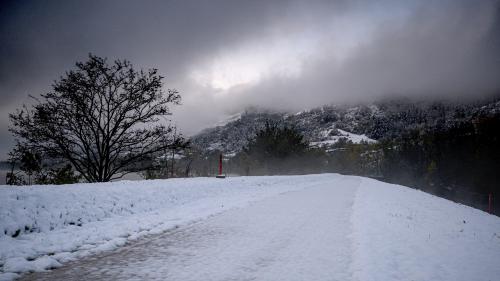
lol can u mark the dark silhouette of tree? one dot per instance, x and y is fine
(276, 141)
(13, 177)
(30, 163)
(100, 117)
(57, 175)
(275, 149)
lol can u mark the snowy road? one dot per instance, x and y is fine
(299, 235)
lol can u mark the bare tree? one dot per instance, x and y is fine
(100, 117)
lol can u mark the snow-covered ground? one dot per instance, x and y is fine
(73, 221)
(292, 236)
(405, 234)
(318, 226)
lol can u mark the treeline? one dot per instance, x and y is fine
(460, 162)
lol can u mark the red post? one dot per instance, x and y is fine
(490, 203)
(220, 175)
(220, 164)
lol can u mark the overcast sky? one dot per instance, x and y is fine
(224, 56)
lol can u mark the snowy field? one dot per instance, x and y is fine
(315, 227)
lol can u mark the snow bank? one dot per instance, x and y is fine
(405, 234)
(44, 226)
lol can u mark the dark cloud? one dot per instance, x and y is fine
(226, 55)
(450, 49)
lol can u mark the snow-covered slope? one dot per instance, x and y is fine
(396, 233)
(324, 126)
(333, 138)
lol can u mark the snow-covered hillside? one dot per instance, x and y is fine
(388, 232)
(325, 126)
(331, 138)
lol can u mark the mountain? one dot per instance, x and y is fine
(327, 125)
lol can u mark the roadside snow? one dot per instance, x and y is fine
(405, 234)
(56, 224)
(293, 236)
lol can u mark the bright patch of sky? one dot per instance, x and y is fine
(252, 62)
(283, 51)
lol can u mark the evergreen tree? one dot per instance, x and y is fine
(275, 149)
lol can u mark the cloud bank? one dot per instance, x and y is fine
(224, 56)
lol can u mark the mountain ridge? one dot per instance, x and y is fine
(326, 125)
